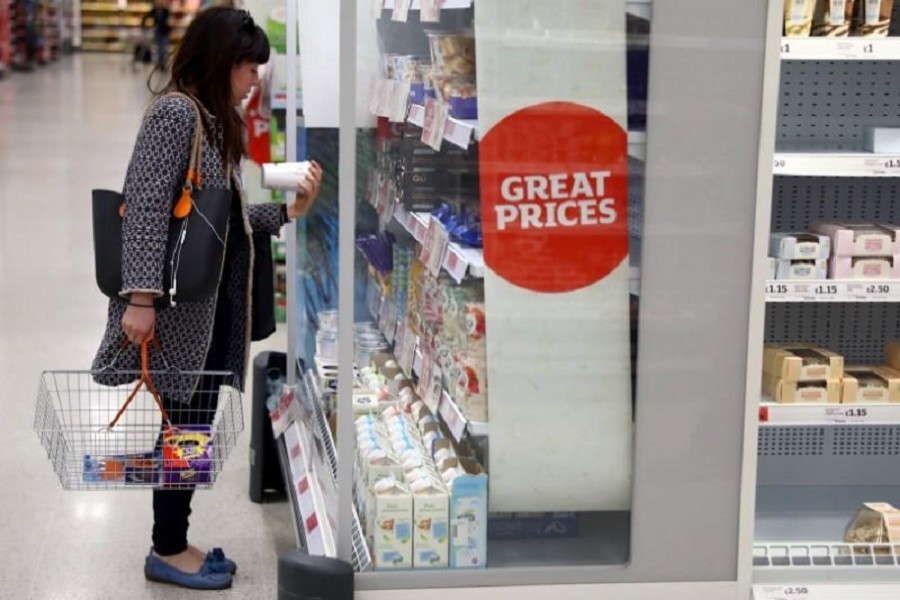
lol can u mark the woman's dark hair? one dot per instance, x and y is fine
(218, 39)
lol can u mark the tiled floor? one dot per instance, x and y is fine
(64, 130)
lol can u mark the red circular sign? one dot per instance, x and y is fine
(554, 189)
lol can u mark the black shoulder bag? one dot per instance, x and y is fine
(197, 230)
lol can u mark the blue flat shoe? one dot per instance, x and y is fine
(207, 579)
(219, 562)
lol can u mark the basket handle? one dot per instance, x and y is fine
(145, 380)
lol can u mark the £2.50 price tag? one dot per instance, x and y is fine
(782, 592)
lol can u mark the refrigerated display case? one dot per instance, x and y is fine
(550, 248)
(834, 193)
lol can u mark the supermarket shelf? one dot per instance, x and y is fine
(362, 559)
(460, 132)
(836, 591)
(459, 262)
(810, 562)
(836, 164)
(457, 422)
(847, 48)
(817, 415)
(833, 290)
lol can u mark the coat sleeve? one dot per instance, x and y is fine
(155, 174)
(266, 218)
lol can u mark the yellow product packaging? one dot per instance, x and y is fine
(872, 18)
(833, 18)
(798, 17)
(875, 523)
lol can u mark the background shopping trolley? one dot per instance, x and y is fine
(133, 436)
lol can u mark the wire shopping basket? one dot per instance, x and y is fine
(134, 436)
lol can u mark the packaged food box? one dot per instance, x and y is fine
(861, 239)
(883, 140)
(468, 485)
(391, 525)
(187, 455)
(452, 54)
(800, 270)
(799, 246)
(870, 384)
(833, 18)
(431, 532)
(872, 18)
(798, 17)
(801, 363)
(810, 392)
(874, 523)
(865, 267)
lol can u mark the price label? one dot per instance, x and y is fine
(436, 115)
(434, 248)
(825, 290)
(374, 96)
(782, 592)
(456, 423)
(780, 164)
(878, 289)
(377, 7)
(786, 49)
(846, 414)
(892, 163)
(431, 11)
(385, 87)
(399, 101)
(401, 10)
(285, 414)
(776, 289)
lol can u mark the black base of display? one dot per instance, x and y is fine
(305, 577)
(266, 480)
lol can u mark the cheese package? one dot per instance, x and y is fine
(810, 392)
(833, 18)
(798, 17)
(799, 246)
(871, 267)
(861, 239)
(872, 18)
(799, 363)
(870, 384)
(801, 270)
(874, 523)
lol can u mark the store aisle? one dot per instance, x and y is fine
(64, 130)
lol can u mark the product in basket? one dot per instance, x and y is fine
(874, 523)
(833, 17)
(187, 455)
(810, 392)
(132, 469)
(801, 270)
(872, 18)
(798, 17)
(861, 239)
(799, 246)
(865, 267)
(877, 384)
(801, 363)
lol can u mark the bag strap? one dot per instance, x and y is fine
(193, 177)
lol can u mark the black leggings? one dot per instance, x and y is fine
(171, 508)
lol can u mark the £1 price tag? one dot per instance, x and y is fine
(401, 10)
(434, 248)
(431, 11)
(436, 115)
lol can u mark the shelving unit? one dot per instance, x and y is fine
(817, 463)
(107, 27)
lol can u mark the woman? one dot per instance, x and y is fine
(215, 67)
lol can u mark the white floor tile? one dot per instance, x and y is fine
(64, 130)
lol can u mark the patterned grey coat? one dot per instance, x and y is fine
(155, 176)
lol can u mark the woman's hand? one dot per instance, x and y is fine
(307, 192)
(139, 320)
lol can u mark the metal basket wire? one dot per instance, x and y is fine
(113, 438)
